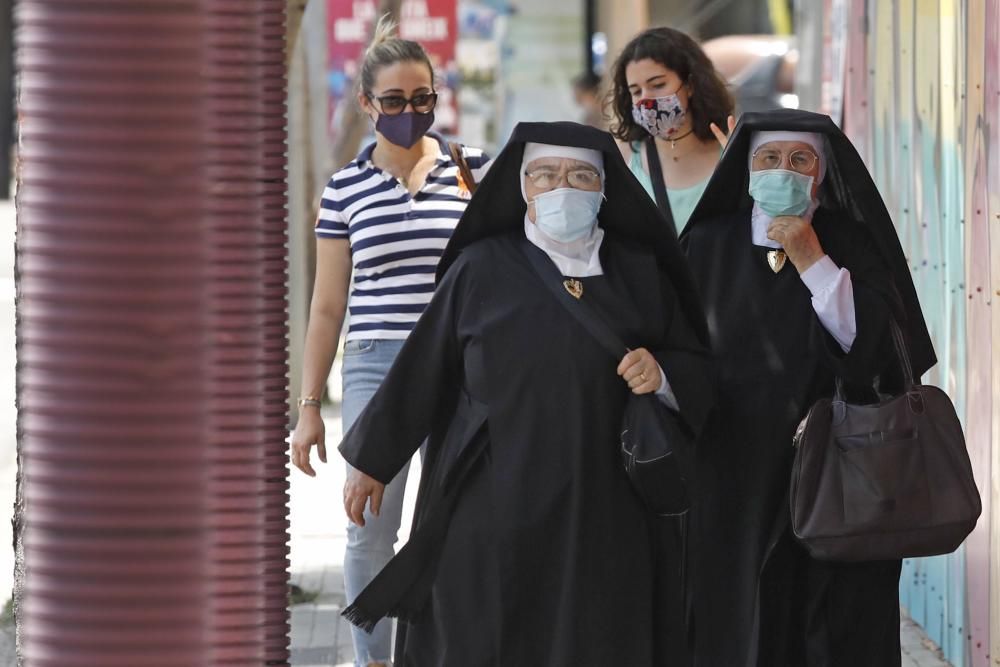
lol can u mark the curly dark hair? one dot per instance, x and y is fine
(710, 101)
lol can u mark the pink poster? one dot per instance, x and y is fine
(433, 23)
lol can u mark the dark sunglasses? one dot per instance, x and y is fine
(395, 104)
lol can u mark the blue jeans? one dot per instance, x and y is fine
(366, 363)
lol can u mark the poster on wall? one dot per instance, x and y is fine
(834, 58)
(433, 23)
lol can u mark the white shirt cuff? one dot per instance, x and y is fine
(821, 275)
(665, 393)
(833, 300)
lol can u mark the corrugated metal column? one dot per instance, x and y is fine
(151, 266)
(272, 171)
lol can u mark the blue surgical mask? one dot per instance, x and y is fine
(567, 214)
(781, 192)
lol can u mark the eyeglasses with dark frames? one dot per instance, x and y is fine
(392, 105)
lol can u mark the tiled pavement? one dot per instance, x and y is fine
(918, 650)
(320, 636)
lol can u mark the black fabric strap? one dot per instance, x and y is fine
(659, 188)
(595, 325)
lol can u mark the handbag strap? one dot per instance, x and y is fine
(463, 166)
(659, 189)
(595, 325)
(902, 353)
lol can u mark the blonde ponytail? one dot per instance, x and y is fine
(385, 30)
(387, 48)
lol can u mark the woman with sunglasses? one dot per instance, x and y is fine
(385, 218)
(669, 104)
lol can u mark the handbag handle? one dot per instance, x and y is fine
(899, 343)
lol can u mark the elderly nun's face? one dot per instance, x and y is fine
(797, 156)
(549, 173)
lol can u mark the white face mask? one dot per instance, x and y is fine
(567, 214)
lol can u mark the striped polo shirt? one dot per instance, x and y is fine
(396, 239)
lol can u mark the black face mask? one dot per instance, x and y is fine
(404, 129)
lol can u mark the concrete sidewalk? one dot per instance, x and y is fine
(918, 649)
(320, 636)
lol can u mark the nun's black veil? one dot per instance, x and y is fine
(847, 187)
(498, 207)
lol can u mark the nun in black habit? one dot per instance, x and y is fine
(798, 284)
(529, 546)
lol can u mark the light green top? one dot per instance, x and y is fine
(682, 200)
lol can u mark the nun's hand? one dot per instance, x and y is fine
(641, 371)
(720, 136)
(358, 488)
(799, 240)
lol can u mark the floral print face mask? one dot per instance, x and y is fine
(661, 116)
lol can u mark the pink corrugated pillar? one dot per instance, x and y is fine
(272, 165)
(151, 377)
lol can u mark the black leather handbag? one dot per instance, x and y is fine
(655, 446)
(655, 443)
(884, 481)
